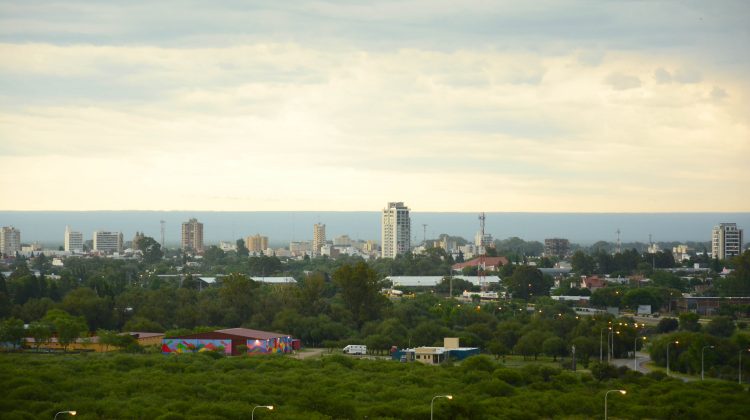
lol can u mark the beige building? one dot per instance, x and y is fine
(10, 240)
(319, 238)
(726, 241)
(256, 243)
(192, 236)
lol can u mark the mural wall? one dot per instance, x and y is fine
(270, 346)
(193, 345)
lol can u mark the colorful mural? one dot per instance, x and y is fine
(270, 346)
(192, 345)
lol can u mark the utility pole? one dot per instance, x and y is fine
(163, 229)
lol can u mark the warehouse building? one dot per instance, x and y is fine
(232, 341)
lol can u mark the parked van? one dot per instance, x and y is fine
(355, 349)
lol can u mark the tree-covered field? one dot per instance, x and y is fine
(205, 386)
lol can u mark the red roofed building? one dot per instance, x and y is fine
(490, 263)
(592, 282)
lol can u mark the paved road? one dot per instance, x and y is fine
(641, 360)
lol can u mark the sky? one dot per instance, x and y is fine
(502, 106)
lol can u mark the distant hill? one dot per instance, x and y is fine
(281, 227)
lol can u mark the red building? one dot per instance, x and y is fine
(490, 263)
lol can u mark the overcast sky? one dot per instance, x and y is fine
(547, 106)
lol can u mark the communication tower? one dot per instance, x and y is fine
(480, 266)
(163, 228)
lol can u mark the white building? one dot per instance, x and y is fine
(108, 242)
(395, 230)
(73, 240)
(726, 241)
(10, 240)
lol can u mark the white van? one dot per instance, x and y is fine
(355, 349)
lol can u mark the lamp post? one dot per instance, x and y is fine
(601, 331)
(739, 371)
(72, 413)
(702, 351)
(675, 342)
(635, 349)
(252, 413)
(621, 391)
(432, 403)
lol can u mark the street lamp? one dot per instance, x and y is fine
(432, 403)
(601, 331)
(635, 349)
(72, 413)
(675, 342)
(702, 350)
(739, 371)
(621, 391)
(252, 413)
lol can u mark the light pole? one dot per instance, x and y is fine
(739, 371)
(635, 349)
(72, 413)
(621, 391)
(252, 413)
(432, 403)
(703, 350)
(601, 331)
(675, 342)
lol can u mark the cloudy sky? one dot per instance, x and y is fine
(546, 106)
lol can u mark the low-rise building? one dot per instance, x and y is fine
(436, 355)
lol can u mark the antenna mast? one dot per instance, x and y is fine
(163, 228)
(480, 267)
(618, 250)
(424, 235)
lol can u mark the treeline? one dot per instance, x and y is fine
(203, 386)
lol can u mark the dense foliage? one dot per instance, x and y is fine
(337, 387)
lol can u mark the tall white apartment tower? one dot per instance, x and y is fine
(73, 240)
(395, 230)
(319, 238)
(10, 240)
(726, 241)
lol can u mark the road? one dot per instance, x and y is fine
(641, 359)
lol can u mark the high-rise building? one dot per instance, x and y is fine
(556, 247)
(395, 230)
(192, 236)
(107, 241)
(10, 240)
(726, 241)
(73, 240)
(256, 243)
(319, 237)
(343, 240)
(139, 236)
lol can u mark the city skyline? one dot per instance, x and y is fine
(491, 106)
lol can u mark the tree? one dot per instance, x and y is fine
(527, 282)
(689, 322)
(721, 326)
(582, 264)
(666, 325)
(737, 283)
(360, 291)
(530, 344)
(151, 250)
(41, 332)
(554, 346)
(242, 250)
(68, 327)
(12, 331)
